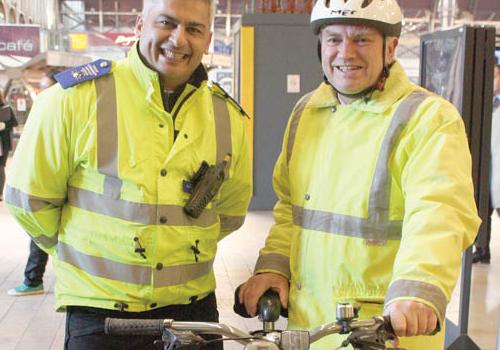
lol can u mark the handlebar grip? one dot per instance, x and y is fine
(121, 326)
(390, 330)
(268, 307)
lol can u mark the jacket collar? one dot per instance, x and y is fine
(194, 82)
(396, 86)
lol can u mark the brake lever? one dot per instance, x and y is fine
(168, 338)
(371, 338)
(179, 339)
(363, 339)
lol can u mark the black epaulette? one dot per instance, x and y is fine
(79, 74)
(219, 90)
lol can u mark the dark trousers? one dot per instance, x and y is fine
(85, 326)
(3, 163)
(35, 267)
(2, 178)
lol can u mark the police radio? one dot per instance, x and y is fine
(204, 186)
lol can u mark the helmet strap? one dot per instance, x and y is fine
(385, 70)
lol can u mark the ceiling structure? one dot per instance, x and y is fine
(420, 15)
(477, 10)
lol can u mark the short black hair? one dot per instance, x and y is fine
(51, 74)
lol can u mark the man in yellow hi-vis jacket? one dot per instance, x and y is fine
(105, 168)
(374, 185)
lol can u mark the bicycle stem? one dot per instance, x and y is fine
(334, 328)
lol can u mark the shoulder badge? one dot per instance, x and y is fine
(220, 91)
(79, 74)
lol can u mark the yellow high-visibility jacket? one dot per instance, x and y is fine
(97, 181)
(375, 203)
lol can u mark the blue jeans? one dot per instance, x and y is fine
(85, 326)
(35, 267)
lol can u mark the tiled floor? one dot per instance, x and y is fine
(30, 322)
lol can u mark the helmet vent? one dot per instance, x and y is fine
(366, 3)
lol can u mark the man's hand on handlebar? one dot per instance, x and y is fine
(252, 290)
(410, 318)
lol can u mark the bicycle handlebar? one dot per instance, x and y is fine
(362, 333)
(120, 326)
(287, 340)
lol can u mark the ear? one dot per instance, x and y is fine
(139, 26)
(391, 44)
(208, 43)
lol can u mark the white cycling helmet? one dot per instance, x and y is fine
(385, 15)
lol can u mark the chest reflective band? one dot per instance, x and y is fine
(377, 225)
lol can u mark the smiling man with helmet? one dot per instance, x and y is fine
(374, 185)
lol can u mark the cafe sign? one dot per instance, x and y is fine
(19, 40)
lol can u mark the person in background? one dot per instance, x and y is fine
(7, 122)
(37, 259)
(129, 173)
(375, 194)
(482, 245)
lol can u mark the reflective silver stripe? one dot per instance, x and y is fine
(102, 267)
(46, 241)
(136, 274)
(381, 186)
(180, 274)
(231, 223)
(222, 129)
(19, 199)
(143, 213)
(297, 114)
(275, 262)
(418, 289)
(346, 225)
(377, 226)
(107, 134)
